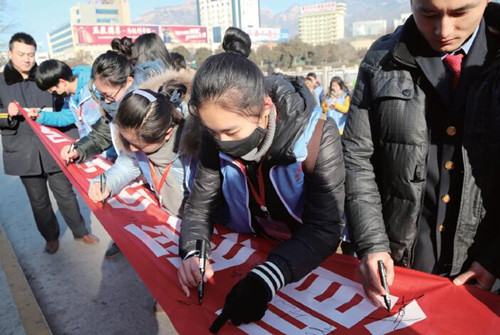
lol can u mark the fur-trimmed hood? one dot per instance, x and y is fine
(184, 77)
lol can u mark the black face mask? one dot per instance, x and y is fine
(242, 147)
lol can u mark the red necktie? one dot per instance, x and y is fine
(454, 64)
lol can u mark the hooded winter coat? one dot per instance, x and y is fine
(315, 208)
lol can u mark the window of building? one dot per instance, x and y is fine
(61, 36)
(66, 42)
(106, 11)
(63, 27)
(108, 20)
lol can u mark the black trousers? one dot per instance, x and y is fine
(46, 221)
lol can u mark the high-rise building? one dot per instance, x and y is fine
(218, 15)
(62, 38)
(322, 23)
(101, 11)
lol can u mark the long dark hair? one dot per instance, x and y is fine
(148, 113)
(150, 47)
(341, 83)
(229, 79)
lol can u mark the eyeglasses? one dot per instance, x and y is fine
(104, 97)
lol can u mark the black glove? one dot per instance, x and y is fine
(247, 301)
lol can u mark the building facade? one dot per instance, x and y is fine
(101, 12)
(62, 40)
(369, 28)
(402, 19)
(322, 23)
(218, 15)
(95, 24)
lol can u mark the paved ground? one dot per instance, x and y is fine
(79, 292)
(10, 322)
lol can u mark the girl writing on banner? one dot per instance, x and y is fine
(150, 134)
(113, 75)
(336, 102)
(255, 156)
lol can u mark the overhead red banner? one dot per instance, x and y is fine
(184, 34)
(94, 34)
(330, 299)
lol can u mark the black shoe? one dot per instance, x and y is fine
(112, 251)
(51, 247)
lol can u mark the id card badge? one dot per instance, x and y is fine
(276, 229)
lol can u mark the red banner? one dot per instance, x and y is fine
(184, 34)
(104, 34)
(330, 299)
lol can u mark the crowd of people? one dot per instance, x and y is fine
(405, 168)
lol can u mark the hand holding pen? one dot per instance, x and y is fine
(69, 153)
(190, 273)
(369, 274)
(102, 179)
(201, 248)
(34, 113)
(71, 148)
(383, 280)
(99, 192)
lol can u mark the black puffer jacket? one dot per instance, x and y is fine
(97, 141)
(318, 236)
(386, 147)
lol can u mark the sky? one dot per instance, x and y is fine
(37, 17)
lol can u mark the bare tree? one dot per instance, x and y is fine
(3, 60)
(200, 55)
(182, 50)
(6, 24)
(81, 58)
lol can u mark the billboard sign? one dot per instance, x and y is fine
(89, 34)
(318, 8)
(267, 34)
(184, 34)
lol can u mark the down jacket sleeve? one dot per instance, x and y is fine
(98, 140)
(120, 174)
(204, 200)
(363, 201)
(319, 235)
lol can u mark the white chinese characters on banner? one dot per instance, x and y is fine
(317, 284)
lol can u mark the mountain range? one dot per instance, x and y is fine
(357, 10)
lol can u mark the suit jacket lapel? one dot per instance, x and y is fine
(435, 72)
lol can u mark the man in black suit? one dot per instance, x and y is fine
(421, 144)
(23, 153)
